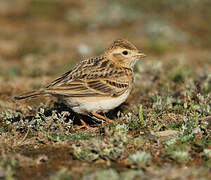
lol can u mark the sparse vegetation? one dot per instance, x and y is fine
(164, 126)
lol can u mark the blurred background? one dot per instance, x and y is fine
(40, 39)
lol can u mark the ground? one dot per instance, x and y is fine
(161, 132)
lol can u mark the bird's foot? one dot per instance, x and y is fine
(84, 125)
(96, 115)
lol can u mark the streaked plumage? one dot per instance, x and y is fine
(98, 84)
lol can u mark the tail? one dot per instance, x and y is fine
(31, 94)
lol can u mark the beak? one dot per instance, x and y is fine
(140, 54)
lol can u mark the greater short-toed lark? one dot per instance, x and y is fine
(98, 84)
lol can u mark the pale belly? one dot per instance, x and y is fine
(86, 105)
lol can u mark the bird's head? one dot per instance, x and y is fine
(123, 53)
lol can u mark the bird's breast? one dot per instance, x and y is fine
(86, 105)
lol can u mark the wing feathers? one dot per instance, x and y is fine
(93, 77)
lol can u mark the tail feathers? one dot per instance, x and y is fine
(31, 94)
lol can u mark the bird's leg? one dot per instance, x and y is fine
(84, 125)
(101, 117)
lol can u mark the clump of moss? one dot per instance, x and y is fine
(102, 175)
(7, 168)
(180, 156)
(140, 158)
(110, 147)
(62, 174)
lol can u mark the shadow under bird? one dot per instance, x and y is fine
(98, 84)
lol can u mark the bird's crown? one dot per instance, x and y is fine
(123, 43)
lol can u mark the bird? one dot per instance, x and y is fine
(96, 85)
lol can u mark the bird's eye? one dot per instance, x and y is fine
(125, 52)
